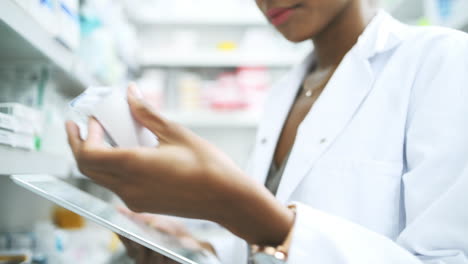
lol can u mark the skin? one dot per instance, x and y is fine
(187, 176)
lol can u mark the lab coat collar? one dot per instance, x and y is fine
(339, 102)
(382, 34)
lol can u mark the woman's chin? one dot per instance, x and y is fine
(295, 33)
(295, 37)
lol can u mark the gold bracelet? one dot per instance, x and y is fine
(279, 252)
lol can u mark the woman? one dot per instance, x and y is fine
(368, 138)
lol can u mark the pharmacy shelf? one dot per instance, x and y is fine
(24, 40)
(214, 120)
(200, 21)
(219, 59)
(149, 14)
(16, 161)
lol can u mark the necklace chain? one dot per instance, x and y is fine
(310, 84)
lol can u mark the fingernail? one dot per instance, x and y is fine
(135, 91)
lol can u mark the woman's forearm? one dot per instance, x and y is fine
(252, 213)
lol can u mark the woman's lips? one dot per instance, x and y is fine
(279, 16)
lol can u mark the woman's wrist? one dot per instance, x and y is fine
(252, 213)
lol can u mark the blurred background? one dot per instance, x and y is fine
(207, 64)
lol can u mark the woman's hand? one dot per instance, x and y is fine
(143, 255)
(165, 224)
(184, 176)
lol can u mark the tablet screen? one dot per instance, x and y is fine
(106, 215)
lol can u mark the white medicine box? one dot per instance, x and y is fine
(43, 12)
(69, 23)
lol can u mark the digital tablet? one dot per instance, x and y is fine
(106, 215)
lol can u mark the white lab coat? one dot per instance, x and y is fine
(377, 166)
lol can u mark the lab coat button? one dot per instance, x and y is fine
(263, 141)
(323, 140)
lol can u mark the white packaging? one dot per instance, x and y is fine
(25, 119)
(15, 124)
(26, 142)
(109, 106)
(26, 127)
(6, 138)
(7, 122)
(15, 140)
(19, 110)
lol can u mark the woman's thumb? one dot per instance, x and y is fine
(146, 115)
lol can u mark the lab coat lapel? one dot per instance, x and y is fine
(331, 113)
(282, 97)
(340, 101)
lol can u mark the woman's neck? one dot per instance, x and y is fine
(332, 44)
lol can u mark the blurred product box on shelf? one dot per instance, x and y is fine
(20, 111)
(16, 246)
(49, 244)
(8, 122)
(69, 23)
(20, 126)
(18, 240)
(108, 41)
(189, 88)
(451, 13)
(14, 124)
(226, 95)
(15, 256)
(254, 83)
(44, 12)
(242, 90)
(27, 142)
(19, 141)
(6, 138)
(22, 83)
(23, 90)
(32, 107)
(58, 17)
(23, 115)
